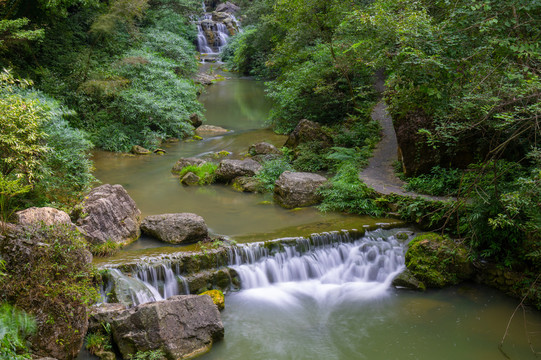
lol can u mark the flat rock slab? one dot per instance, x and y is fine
(183, 326)
(108, 213)
(298, 189)
(176, 228)
(231, 169)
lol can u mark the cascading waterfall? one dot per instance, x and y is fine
(213, 34)
(322, 262)
(150, 282)
(329, 259)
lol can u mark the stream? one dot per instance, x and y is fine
(339, 313)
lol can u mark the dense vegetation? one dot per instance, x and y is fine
(462, 85)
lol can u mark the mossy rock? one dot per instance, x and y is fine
(217, 298)
(438, 261)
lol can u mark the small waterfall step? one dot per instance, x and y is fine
(334, 258)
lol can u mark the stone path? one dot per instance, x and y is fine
(379, 175)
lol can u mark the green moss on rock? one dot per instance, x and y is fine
(217, 298)
(438, 261)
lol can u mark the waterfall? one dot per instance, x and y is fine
(329, 258)
(214, 30)
(321, 262)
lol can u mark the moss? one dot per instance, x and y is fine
(217, 298)
(438, 261)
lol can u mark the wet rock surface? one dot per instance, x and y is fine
(182, 326)
(231, 169)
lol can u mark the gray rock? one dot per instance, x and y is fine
(406, 280)
(183, 162)
(308, 131)
(230, 169)
(227, 7)
(246, 184)
(46, 215)
(210, 130)
(103, 314)
(297, 189)
(176, 228)
(182, 327)
(263, 148)
(190, 179)
(139, 150)
(108, 213)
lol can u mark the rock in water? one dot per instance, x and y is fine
(263, 148)
(183, 326)
(46, 215)
(108, 213)
(297, 189)
(139, 150)
(230, 169)
(176, 228)
(183, 162)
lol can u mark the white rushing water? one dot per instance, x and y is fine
(329, 265)
(332, 269)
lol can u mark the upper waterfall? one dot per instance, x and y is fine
(214, 28)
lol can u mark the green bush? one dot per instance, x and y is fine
(271, 171)
(205, 172)
(347, 193)
(440, 181)
(15, 325)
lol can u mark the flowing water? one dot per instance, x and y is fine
(331, 301)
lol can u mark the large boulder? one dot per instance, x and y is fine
(308, 131)
(176, 228)
(41, 216)
(108, 213)
(182, 327)
(438, 261)
(297, 189)
(183, 162)
(231, 169)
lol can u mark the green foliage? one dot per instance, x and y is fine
(52, 275)
(271, 171)
(98, 342)
(440, 181)
(15, 325)
(205, 172)
(347, 193)
(107, 248)
(8, 190)
(12, 31)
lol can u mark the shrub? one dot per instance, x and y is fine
(347, 193)
(271, 171)
(440, 181)
(15, 325)
(205, 172)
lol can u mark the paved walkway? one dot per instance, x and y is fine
(379, 175)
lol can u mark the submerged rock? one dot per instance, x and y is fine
(298, 189)
(183, 162)
(41, 216)
(190, 179)
(176, 228)
(231, 169)
(210, 130)
(182, 327)
(438, 261)
(246, 184)
(139, 150)
(406, 280)
(108, 213)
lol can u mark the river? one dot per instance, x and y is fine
(309, 319)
